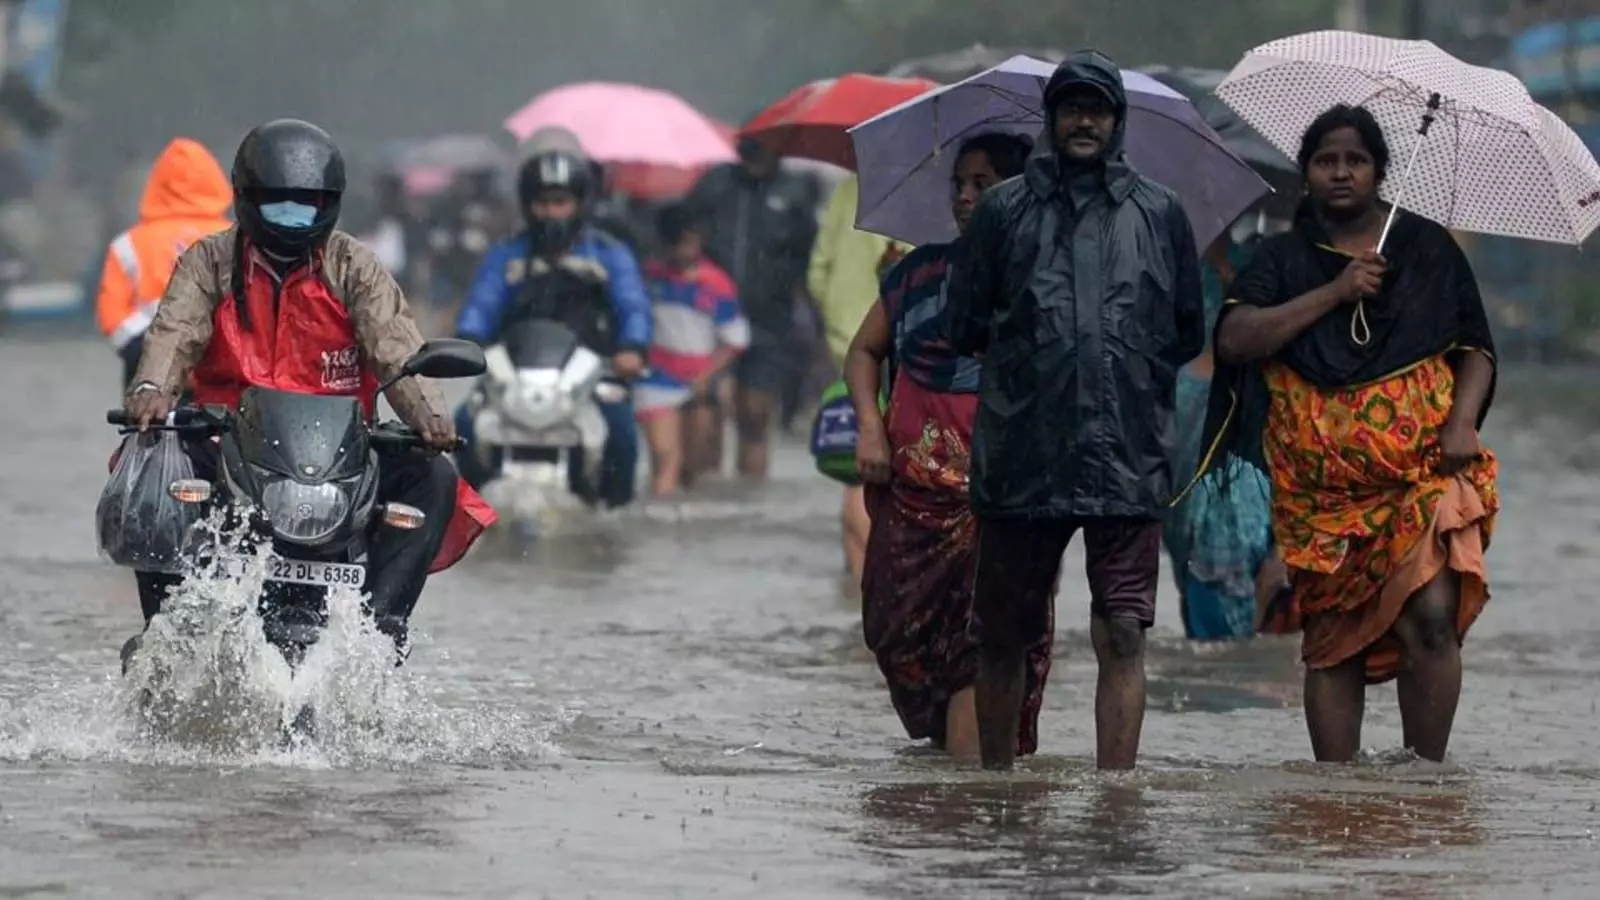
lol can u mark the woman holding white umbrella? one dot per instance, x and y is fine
(1360, 361)
(1383, 498)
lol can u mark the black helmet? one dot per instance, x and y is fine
(555, 169)
(288, 177)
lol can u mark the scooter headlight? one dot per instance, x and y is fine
(304, 513)
(536, 400)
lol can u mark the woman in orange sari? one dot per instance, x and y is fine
(1358, 382)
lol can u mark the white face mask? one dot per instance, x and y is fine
(289, 214)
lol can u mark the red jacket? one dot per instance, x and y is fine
(295, 336)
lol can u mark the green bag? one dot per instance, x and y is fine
(834, 434)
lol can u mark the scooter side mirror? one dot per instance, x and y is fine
(447, 358)
(442, 358)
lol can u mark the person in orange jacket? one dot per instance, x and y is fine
(186, 198)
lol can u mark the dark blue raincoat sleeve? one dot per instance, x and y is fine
(1188, 290)
(485, 306)
(629, 299)
(975, 278)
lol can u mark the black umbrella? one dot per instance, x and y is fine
(451, 152)
(1199, 85)
(949, 68)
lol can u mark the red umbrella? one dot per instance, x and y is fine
(811, 121)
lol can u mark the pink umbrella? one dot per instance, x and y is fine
(625, 123)
(427, 180)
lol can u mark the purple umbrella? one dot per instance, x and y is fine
(906, 155)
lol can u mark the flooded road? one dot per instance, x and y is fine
(675, 703)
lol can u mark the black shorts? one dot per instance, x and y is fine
(1020, 559)
(764, 365)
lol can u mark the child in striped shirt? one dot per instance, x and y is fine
(699, 331)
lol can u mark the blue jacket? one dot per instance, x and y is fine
(494, 288)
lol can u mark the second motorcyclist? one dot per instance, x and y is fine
(560, 267)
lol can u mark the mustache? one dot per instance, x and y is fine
(1089, 133)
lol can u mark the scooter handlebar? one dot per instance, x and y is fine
(395, 436)
(180, 419)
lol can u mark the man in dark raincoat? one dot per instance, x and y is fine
(760, 223)
(1081, 292)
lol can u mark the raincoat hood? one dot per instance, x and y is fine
(186, 182)
(1094, 69)
(1089, 67)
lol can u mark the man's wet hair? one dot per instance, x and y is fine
(1346, 116)
(1007, 152)
(674, 221)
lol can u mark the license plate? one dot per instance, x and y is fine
(320, 574)
(550, 437)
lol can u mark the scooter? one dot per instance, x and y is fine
(299, 472)
(535, 412)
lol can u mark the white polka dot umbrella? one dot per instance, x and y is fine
(1494, 161)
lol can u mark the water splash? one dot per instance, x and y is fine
(534, 504)
(206, 687)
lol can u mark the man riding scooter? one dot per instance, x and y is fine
(284, 301)
(560, 267)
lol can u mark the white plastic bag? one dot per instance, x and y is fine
(140, 523)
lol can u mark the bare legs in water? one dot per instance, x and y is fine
(1429, 681)
(856, 527)
(961, 727)
(1118, 697)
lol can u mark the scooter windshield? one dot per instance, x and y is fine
(539, 343)
(309, 438)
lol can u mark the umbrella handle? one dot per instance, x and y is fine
(1360, 332)
(1405, 177)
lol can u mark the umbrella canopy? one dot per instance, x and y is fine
(655, 182)
(1494, 161)
(811, 120)
(626, 123)
(1200, 85)
(951, 67)
(450, 152)
(907, 154)
(428, 165)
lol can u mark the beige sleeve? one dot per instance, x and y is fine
(386, 331)
(177, 339)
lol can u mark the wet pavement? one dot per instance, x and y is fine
(675, 703)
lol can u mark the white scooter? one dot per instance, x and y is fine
(535, 410)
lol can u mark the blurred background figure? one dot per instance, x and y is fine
(471, 216)
(1219, 539)
(846, 266)
(760, 223)
(699, 332)
(615, 214)
(398, 232)
(186, 198)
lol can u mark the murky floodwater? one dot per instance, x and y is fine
(675, 703)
